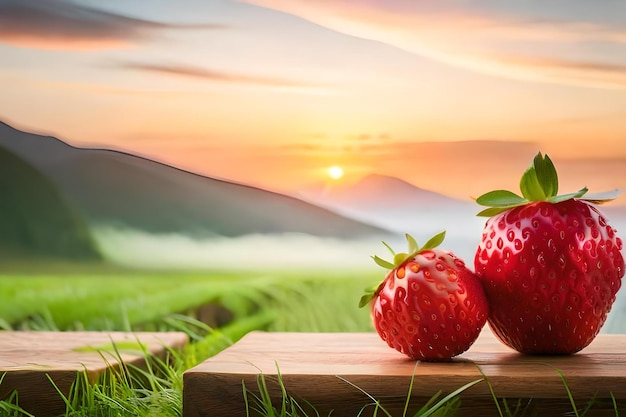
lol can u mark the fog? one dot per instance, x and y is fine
(463, 229)
(138, 249)
(135, 248)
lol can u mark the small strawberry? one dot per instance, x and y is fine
(550, 265)
(430, 306)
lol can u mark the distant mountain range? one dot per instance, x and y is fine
(387, 201)
(115, 188)
(376, 192)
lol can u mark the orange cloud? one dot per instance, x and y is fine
(211, 75)
(63, 25)
(480, 39)
(320, 146)
(586, 72)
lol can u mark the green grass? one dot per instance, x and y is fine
(104, 298)
(126, 300)
(67, 297)
(262, 403)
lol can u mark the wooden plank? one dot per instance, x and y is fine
(315, 367)
(28, 358)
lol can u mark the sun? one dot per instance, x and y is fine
(335, 172)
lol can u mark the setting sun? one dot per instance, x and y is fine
(335, 172)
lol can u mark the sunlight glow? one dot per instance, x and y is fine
(335, 172)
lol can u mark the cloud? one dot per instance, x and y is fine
(212, 75)
(482, 37)
(60, 24)
(382, 147)
(323, 145)
(590, 72)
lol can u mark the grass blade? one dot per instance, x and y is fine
(452, 395)
(569, 393)
(375, 402)
(491, 391)
(614, 405)
(408, 394)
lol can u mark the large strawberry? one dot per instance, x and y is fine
(430, 306)
(550, 265)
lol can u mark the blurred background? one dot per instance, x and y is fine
(239, 162)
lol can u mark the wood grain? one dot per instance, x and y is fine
(325, 369)
(27, 359)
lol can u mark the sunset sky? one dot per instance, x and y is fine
(451, 96)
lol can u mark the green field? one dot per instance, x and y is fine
(69, 297)
(112, 299)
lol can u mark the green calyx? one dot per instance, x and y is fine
(399, 259)
(539, 182)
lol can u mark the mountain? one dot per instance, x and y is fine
(376, 192)
(34, 218)
(119, 189)
(384, 200)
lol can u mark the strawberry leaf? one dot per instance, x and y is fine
(393, 253)
(365, 300)
(500, 198)
(381, 262)
(370, 292)
(546, 175)
(413, 246)
(492, 211)
(414, 249)
(600, 198)
(530, 186)
(434, 241)
(569, 196)
(539, 182)
(400, 257)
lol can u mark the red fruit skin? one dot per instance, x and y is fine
(551, 273)
(431, 307)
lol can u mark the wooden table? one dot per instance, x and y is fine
(28, 358)
(326, 369)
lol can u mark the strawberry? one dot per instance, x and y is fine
(550, 265)
(430, 306)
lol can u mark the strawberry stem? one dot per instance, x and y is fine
(399, 259)
(539, 182)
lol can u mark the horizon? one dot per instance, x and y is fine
(451, 98)
(312, 192)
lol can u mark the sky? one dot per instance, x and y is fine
(452, 96)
